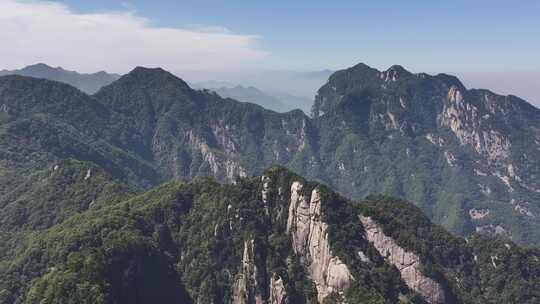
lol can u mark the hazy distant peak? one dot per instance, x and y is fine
(89, 83)
(41, 66)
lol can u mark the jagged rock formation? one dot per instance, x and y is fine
(245, 285)
(310, 240)
(407, 263)
(277, 291)
(465, 122)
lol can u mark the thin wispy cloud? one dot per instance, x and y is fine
(40, 31)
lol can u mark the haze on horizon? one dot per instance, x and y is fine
(488, 44)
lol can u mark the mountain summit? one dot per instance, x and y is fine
(469, 155)
(468, 158)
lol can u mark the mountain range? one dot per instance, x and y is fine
(89, 83)
(278, 102)
(468, 158)
(106, 193)
(274, 82)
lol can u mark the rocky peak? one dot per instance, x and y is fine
(361, 69)
(466, 128)
(246, 285)
(310, 240)
(394, 73)
(455, 94)
(341, 83)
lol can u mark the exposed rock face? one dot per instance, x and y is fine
(310, 240)
(264, 194)
(277, 291)
(478, 214)
(465, 120)
(406, 262)
(467, 128)
(219, 166)
(299, 218)
(245, 285)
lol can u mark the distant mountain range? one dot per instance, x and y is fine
(91, 83)
(273, 82)
(88, 83)
(522, 83)
(103, 195)
(279, 102)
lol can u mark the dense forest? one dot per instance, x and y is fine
(96, 241)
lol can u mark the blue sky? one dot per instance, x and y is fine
(476, 36)
(489, 44)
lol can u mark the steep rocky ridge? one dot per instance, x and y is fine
(310, 240)
(430, 140)
(245, 286)
(420, 137)
(408, 263)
